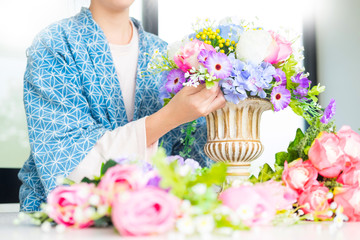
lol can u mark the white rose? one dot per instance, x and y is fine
(174, 47)
(253, 46)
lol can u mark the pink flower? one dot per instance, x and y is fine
(281, 196)
(314, 200)
(326, 155)
(351, 174)
(67, 205)
(251, 203)
(144, 212)
(187, 57)
(280, 49)
(299, 175)
(119, 179)
(349, 198)
(350, 143)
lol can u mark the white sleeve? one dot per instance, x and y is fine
(128, 140)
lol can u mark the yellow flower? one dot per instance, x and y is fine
(197, 36)
(222, 51)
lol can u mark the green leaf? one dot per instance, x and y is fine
(293, 149)
(209, 84)
(106, 166)
(215, 175)
(166, 101)
(295, 106)
(316, 90)
(281, 157)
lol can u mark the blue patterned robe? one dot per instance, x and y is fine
(72, 96)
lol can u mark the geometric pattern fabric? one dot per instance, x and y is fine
(72, 96)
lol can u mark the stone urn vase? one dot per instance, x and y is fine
(233, 135)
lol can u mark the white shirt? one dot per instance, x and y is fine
(130, 139)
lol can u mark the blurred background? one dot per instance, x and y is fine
(330, 33)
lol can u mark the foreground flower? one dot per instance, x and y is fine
(175, 80)
(251, 203)
(280, 98)
(218, 65)
(329, 112)
(315, 200)
(348, 197)
(299, 175)
(144, 212)
(280, 49)
(118, 179)
(282, 197)
(326, 155)
(67, 205)
(350, 143)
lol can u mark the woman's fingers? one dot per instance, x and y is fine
(217, 103)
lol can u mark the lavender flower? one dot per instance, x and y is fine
(203, 55)
(260, 78)
(154, 181)
(280, 77)
(329, 112)
(177, 158)
(175, 80)
(163, 94)
(231, 31)
(218, 65)
(304, 83)
(280, 98)
(233, 91)
(192, 164)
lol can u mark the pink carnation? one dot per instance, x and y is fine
(254, 200)
(144, 212)
(326, 155)
(280, 49)
(350, 143)
(119, 179)
(187, 57)
(299, 175)
(349, 198)
(314, 200)
(67, 205)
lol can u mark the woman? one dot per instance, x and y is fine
(87, 99)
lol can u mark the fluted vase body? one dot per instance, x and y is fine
(233, 134)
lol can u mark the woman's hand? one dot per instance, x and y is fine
(187, 105)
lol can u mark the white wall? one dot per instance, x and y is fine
(338, 52)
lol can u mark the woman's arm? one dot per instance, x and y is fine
(187, 105)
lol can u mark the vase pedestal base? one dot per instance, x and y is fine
(239, 172)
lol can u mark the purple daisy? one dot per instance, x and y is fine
(280, 77)
(218, 65)
(280, 98)
(175, 80)
(203, 55)
(329, 112)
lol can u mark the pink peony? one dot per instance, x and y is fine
(67, 205)
(326, 155)
(351, 174)
(281, 196)
(350, 143)
(349, 198)
(280, 49)
(187, 57)
(251, 203)
(118, 179)
(144, 212)
(299, 175)
(314, 200)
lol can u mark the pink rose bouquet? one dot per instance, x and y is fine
(348, 197)
(315, 200)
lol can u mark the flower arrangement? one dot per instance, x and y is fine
(246, 61)
(177, 196)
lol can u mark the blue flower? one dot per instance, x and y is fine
(329, 112)
(231, 31)
(259, 79)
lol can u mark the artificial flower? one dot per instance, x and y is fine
(348, 197)
(280, 77)
(175, 80)
(218, 65)
(299, 175)
(350, 175)
(145, 212)
(326, 155)
(280, 49)
(315, 200)
(280, 98)
(186, 57)
(329, 112)
(350, 143)
(67, 205)
(253, 46)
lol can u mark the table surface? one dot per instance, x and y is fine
(306, 231)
